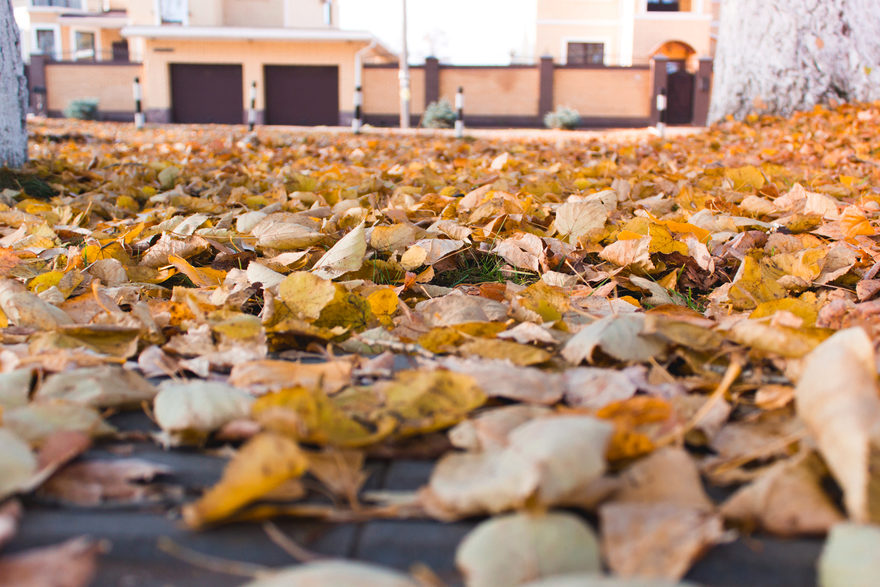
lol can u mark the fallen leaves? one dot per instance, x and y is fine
(600, 326)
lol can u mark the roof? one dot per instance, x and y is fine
(250, 33)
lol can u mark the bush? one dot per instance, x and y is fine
(438, 115)
(562, 117)
(82, 109)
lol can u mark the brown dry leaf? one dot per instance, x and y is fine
(172, 246)
(261, 376)
(633, 253)
(668, 475)
(524, 251)
(490, 429)
(69, 564)
(98, 387)
(838, 400)
(341, 471)
(586, 218)
(620, 337)
(519, 354)
(457, 308)
(92, 483)
(786, 500)
(262, 464)
(594, 388)
(38, 421)
(656, 540)
(15, 388)
(516, 548)
(499, 378)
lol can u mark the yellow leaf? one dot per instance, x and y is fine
(383, 304)
(518, 354)
(200, 276)
(431, 400)
(306, 294)
(808, 311)
(262, 464)
(45, 281)
(757, 283)
(662, 241)
(746, 178)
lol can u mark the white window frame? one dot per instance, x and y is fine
(34, 8)
(56, 30)
(95, 31)
(157, 10)
(606, 42)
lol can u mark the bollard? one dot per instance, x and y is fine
(252, 111)
(138, 108)
(357, 122)
(661, 111)
(459, 113)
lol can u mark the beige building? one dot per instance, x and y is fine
(626, 32)
(199, 61)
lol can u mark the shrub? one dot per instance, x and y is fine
(438, 115)
(563, 117)
(82, 109)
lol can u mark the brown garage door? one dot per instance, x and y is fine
(203, 93)
(302, 94)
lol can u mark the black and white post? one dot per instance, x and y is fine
(252, 111)
(661, 113)
(138, 104)
(358, 121)
(459, 113)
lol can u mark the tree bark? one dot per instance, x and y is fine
(778, 56)
(13, 92)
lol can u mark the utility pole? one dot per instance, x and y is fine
(403, 76)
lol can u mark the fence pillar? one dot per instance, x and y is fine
(545, 96)
(658, 71)
(138, 103)
(702, 91)
(459, 113)
(358, 121)
(252, 107)
(432, 80)
(37, 84)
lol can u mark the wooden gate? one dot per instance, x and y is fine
(302, 94)
(206, 93)
(680, 105)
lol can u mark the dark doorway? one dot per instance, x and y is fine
(120, 50)
(680, 107)
(203, 93)
(305, 95)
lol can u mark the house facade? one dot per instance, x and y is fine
(198, 61)
(626, 32)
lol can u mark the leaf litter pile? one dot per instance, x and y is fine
(567, 327)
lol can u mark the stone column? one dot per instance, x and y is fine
(658, 72)
(432, 80)
(702, 91)
(545, 97)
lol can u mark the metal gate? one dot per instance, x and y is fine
(305, 95)
(206, 93)
(680, 108)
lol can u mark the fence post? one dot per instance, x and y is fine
(661, 113)
(459, 113)
(358, 121)
(252, 111)
(702, 91)
(138, 104)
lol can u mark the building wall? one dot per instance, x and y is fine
(66, 82)
(382, 90)
(499, 91)
(604, 92)
(253, 13)
(252, 55)
(651, 31)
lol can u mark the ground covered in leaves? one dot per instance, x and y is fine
(569, 327)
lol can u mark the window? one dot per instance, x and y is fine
(45, 42)
(328, 12)
(173, 11)
(58, 3)
(663, 6)
(84, 45)
(585, 54)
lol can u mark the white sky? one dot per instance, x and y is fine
(464, 32)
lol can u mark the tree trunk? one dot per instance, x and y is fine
(779, 56)
(13, 92)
